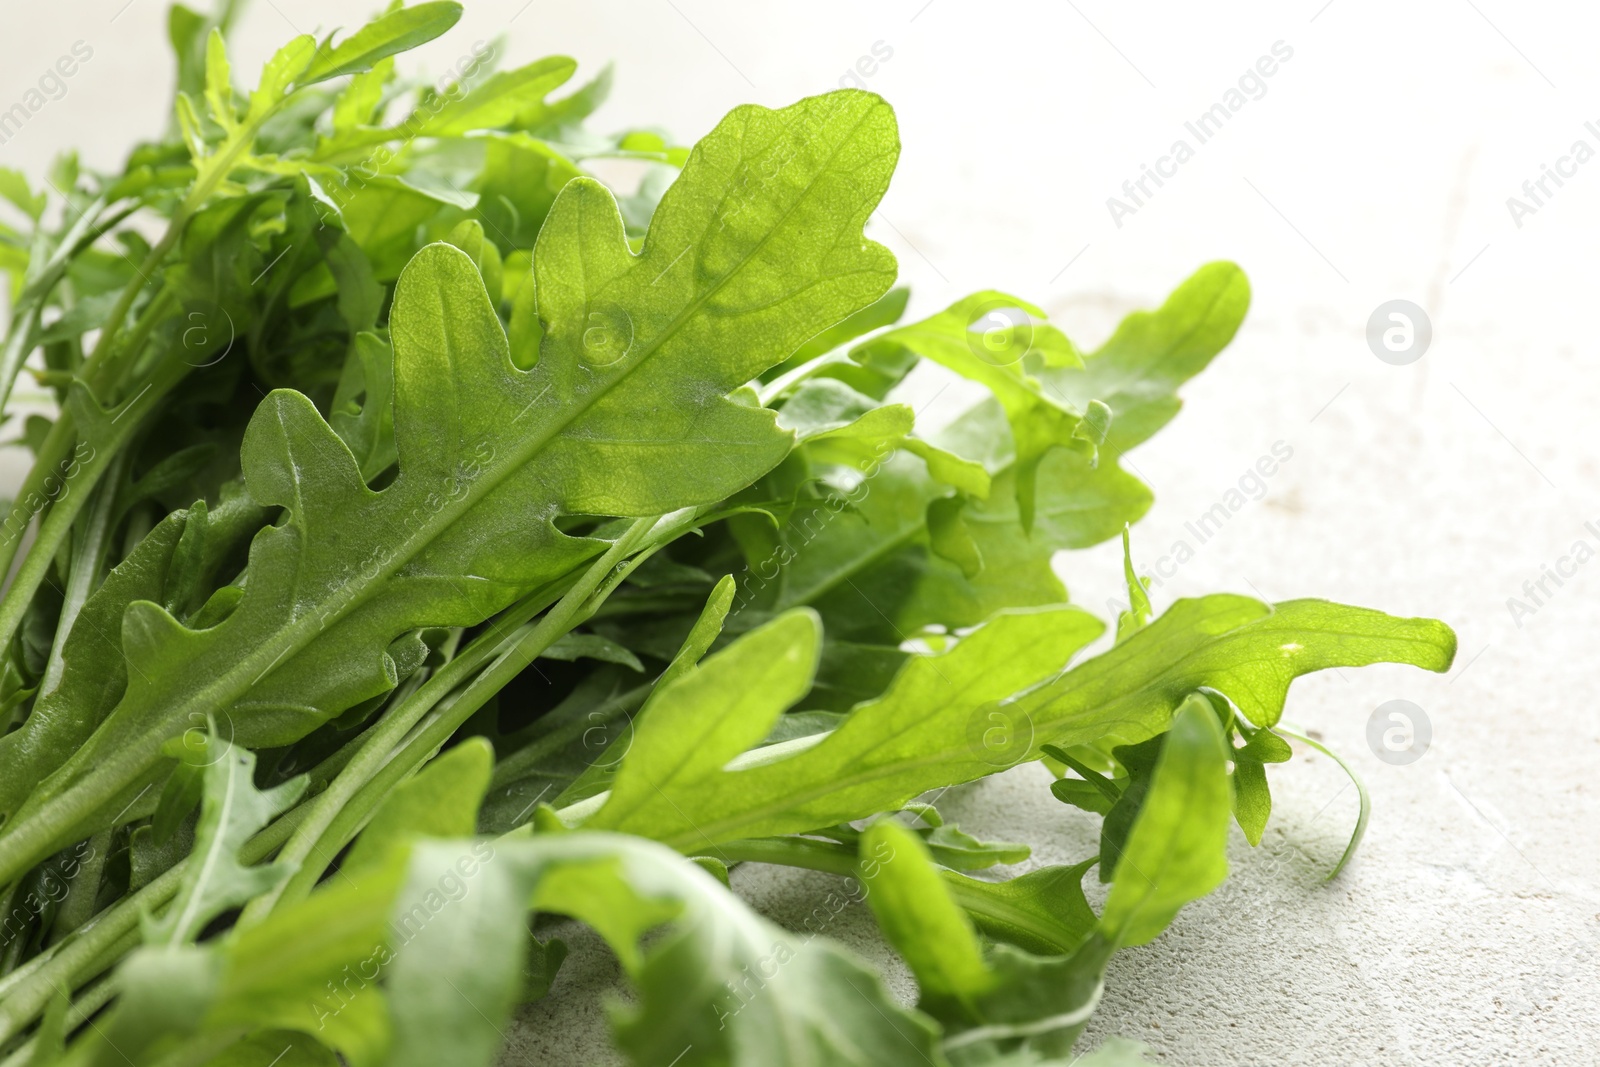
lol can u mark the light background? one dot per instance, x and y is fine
(1377, 166)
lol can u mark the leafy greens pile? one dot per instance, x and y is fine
(426, 545)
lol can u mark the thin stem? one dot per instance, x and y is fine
(92, 999)
(78, 907)
(75, 479)
(88, 555)
(1365, 801)
(25, 315)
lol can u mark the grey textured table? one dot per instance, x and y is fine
(1375, 163)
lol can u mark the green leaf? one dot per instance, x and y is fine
(626, 413)
(513, 97)
(458, 914)
(14, 187)
(723, 987)
(1139, 610)
(93, 675)
(367, 427)
(1044, 911)
(1137, 372)
(1003, 359)
(943, 720)
(728, 987)
(1139, 761)
(397, 31)
(359, 102)
(712, 713)
(1240, 647)
(279, 75)
(885, 311)
(231, 812)
(1000, 998)
(951, 718)
(918, 916)
(313, 966)
(518, 185)
(219, 82)
(890, 564)
(1177, 851)
(597, 776)
(1252, 799)
(706, 629)
(186, 32)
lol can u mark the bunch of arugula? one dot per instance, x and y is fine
(425, 544)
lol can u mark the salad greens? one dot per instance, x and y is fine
(427, 546)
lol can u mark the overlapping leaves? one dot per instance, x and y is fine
(755, 249)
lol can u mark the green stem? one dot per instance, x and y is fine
(1365, 800)
(73, 488)
(30, 303)
(88, 555)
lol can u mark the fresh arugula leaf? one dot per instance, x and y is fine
(565, 434)
(919, 917)
(723, 987)
(950, 718)
(231, 812)
(1002, 356)
(395, 32)
(1137, 372)
(1177, 849)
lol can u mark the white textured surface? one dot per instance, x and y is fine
(1468, 930)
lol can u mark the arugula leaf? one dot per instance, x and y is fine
(713, 713)
(231, 812)
(723, 987)
(1137, 372)
(941, 721)
(1177, 850)
(918, 916)
(1001, 358)
(93, 671)
(397, 31)
(621, 332)
(513, 96)
(1139, 610)
(992, 999)
(951, 718)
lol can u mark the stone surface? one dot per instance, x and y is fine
(1376, 166)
